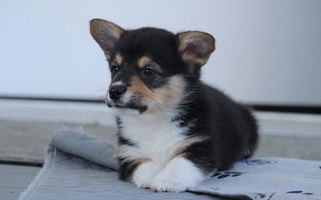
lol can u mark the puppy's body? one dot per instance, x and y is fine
(174, 130)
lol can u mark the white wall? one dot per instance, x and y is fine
(267, 51)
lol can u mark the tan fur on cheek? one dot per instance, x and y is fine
(164, 97)
(172, 93)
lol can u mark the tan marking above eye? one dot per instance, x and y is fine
(118, 59)
(107, 55)
(143, 61)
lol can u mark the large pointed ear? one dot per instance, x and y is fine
(106, 34)
(195, 47)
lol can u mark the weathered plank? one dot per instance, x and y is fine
(14, 179)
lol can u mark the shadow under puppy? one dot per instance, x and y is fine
(174, 130)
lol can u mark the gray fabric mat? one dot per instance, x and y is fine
(66, 175)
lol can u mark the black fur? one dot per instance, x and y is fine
(159, 44)
(126, 169)
(121, 139)
(230, 126)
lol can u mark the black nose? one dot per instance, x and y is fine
(116, 91)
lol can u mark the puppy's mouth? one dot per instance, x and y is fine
(128, 106)
(141, 109)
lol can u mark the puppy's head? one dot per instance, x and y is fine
(148, 65)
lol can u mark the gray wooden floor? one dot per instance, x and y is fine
(14, 179)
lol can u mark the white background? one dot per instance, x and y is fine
(267, 52)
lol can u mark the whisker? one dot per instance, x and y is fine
(100, 105)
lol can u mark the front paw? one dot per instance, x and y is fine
(177, 176)
(145, 173)
(167, 182)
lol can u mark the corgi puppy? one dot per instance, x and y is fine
(174, 130)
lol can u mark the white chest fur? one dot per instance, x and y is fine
(155, 137)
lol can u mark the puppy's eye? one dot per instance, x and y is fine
(114, 68)
(149, 72)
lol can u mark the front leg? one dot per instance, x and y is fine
(179, 174)
(145, 173)
(140, 171)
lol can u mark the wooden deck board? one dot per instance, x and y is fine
(14, 179)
